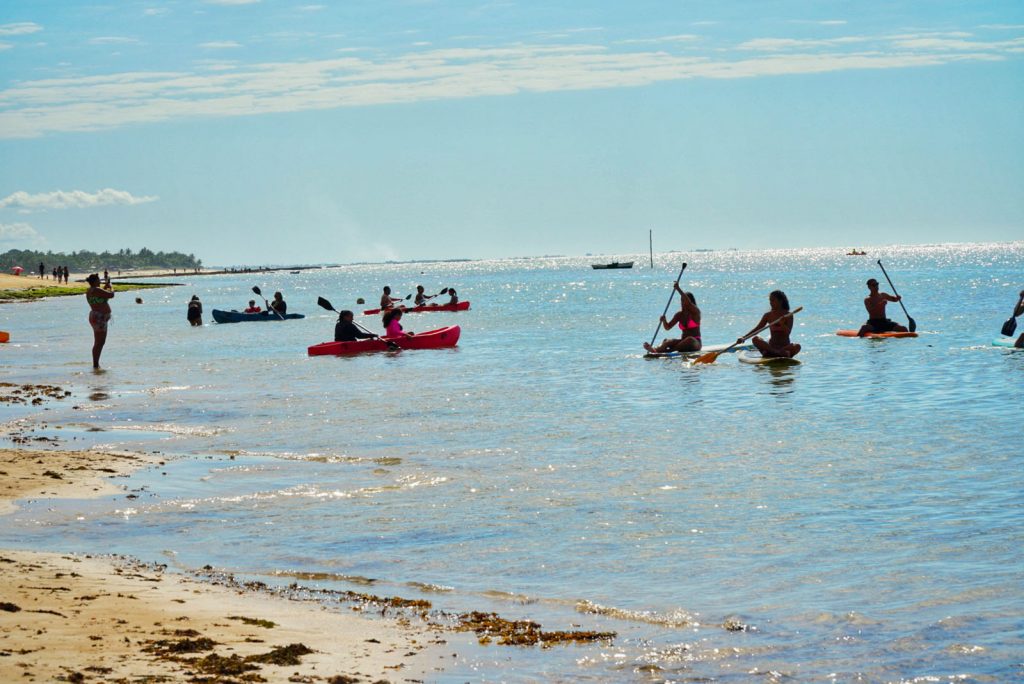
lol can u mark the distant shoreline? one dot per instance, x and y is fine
(201, 272)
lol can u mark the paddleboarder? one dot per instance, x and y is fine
(779, 345)
(99, 315)
(875, 303)
(688, 320)
(346, 330)
(1019, 311)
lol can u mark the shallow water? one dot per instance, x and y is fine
(860, 512)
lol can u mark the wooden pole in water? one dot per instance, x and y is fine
(650, 241)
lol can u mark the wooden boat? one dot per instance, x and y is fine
(614, 264)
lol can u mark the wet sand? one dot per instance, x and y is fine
(91, 618)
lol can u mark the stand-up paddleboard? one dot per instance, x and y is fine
(1006, 342)
(875, 336)
(694, 354)
(756, 358)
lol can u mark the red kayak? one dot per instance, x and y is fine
(433, 339)
(461, 306)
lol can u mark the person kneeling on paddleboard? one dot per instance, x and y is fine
(688, 320)
(347, 331)
(778, 345)
(392, 327)
(875, 304)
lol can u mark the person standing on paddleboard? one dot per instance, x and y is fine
(688, 320)
(875, 304)
(99, 315)
(778, 345)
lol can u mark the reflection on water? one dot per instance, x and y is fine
(843, 518)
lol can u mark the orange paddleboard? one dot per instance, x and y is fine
(876, 336)
(4, 336)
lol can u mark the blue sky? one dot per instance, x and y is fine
(272, 131)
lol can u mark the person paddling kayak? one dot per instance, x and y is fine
(278, 304)
(453, 298)
(387, 301)
(99, 314)
(392, 327)
(347, 331)
(421, 296)
(688, 320)
(875, 304)
(778, 345)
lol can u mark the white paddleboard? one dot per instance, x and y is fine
(1006, 342)
(694, 354)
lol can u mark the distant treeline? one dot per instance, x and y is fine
(85, 261)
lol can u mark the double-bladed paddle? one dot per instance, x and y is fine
(671, 294)
(911, 323)
(711, 356)
(265, 302)
(327, 305)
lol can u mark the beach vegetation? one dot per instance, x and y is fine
(86, 261)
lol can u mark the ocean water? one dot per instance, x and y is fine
(860, 514)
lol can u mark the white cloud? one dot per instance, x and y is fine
(1002, 27)
(90, 103)
(220, 45)
(19, 29)
(113, 40)
(70, 199)
(312, 8)
(19, 233)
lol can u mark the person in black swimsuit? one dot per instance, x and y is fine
(347, 331)
(875, 304)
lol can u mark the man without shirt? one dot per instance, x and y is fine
(875, 304)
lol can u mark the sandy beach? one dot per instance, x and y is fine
(75, 618)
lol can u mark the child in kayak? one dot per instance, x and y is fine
(688, 320)
(421, 297)
(778, 344)
(99, 314)
(347, 331)
(392, 327)
(453, 298)
(875, 304)
(252, 308)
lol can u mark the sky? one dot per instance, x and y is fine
(287, 132)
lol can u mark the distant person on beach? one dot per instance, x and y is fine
(278, 304)
(99, 314)
(778, 344)
(347, 331)
(195, 311)
(875, 303)
(387, 301)
(688, 320)
(392, 327)
(67, 274)
(42, 270)
(252, 308)
(53, 273)
(106, 277)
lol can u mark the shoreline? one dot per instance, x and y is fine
(108, 618)
(32, 290)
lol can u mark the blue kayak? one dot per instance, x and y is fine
(242, 317)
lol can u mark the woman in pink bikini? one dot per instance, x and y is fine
(99, 314)
(688, 320)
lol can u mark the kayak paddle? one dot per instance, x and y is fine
(327, 305)
(911, 323)
(671, 294)
(265, 302)
(711, 356)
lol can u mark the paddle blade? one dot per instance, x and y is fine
(444, 291)
(1009, 327)
(257, 290)
(911, 324)
(323, 303)
(706, 358)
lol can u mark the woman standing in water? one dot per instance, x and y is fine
(688, 320)
(99, 314)
(778, 344)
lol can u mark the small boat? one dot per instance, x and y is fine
(432, 339)
(242, 317)
(856, 253)
(295, 272)
(461, 306)
(614, 264)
